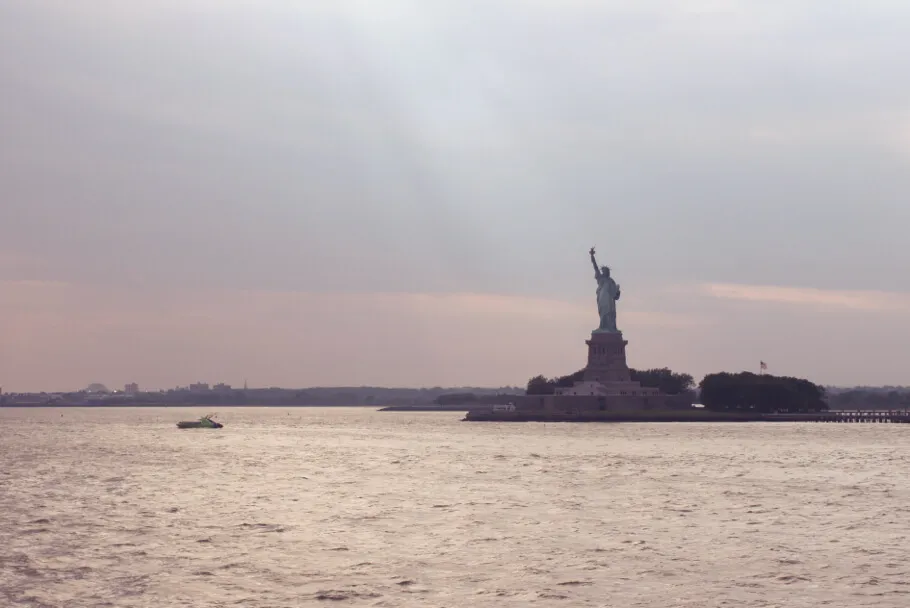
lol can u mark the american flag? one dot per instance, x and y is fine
(762, 365)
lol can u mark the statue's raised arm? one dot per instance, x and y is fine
(594, 261)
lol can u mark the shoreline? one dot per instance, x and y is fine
(696, 415)
(24, 406)
(618, 416)
(426, 408)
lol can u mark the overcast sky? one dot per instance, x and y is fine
(404, 192)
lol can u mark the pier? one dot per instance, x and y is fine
(688, 415)
(845, 416)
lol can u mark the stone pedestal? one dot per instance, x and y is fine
(607, 358)
(606, 391)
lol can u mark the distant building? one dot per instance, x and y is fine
(97, 388)
(199, 387)
(131, 389)
(221, 387)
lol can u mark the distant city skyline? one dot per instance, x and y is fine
(404, 193)
(133, 388)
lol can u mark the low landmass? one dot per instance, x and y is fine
(366, 396)
(744, 392)
(868, 397)
(423, 399)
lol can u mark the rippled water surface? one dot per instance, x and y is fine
(304, 507)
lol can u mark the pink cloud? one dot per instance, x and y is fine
(65, 336)
(14, 265)
(855, 300)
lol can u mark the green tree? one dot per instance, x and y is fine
(455, 398)
(760, 393)
(539, 385)
(570, 380)
(664, 379)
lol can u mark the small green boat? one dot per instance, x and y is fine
(205, 422)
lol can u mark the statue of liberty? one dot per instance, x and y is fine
(607, 294)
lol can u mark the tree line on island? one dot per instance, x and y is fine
(722, 391)
(763, 393)
(667, 381)
(870, 397)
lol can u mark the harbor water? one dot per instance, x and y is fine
(350, 506)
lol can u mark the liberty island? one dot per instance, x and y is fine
(606, 390)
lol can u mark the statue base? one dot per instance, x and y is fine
(606, 392)
(606, 358)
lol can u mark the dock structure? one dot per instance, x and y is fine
(845, 416)
(487, 413)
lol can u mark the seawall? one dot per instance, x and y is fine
(669, 415)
